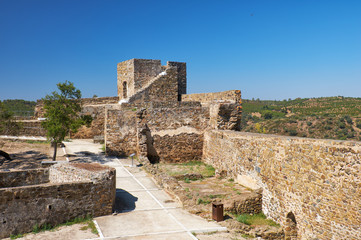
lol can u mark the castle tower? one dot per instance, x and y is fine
(136, 74)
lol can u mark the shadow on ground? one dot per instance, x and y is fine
(23, 160)
(124, 201)
(89, 157)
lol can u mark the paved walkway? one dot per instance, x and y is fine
(144, 210)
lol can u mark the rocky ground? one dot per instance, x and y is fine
(24, 155)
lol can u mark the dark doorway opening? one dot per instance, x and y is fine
(291, 227)
(125, 90)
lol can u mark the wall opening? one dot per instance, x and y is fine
(125, 90)
(290, 227)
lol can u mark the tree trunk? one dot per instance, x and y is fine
(5, 155)
(55, 148)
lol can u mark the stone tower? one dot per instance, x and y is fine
(135, 75)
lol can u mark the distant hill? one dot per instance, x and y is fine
(20, 107)
(326, 117)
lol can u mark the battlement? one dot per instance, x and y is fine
(135, 75)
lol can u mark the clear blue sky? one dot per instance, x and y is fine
(269, 49)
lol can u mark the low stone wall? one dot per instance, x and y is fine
(39, 108)
(99, 100)
(29, 128)
(233, 96)
(310, 186)
(24, 177)
(74, 190)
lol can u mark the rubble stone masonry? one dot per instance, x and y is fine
(233, 96)
(314, 184)
(66, 191)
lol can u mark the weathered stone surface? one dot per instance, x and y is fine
(318, 181)
(24, 177)
(71, 190)
(250, 203)
(232, 96)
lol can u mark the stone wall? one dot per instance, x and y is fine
(182, 77)
(225, 116)
(91, 191)
(24, 177)
(99, 100)
(136, 74)
(311, 186)
(96, 129)
(121, 132)
(162, 88)
(177, 132)
(169, 132)
(39, 108)
(29, 128)
(233, 96)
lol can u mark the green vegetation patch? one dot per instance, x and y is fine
(329, 117)
(256, 219)
(192, 167)
(20, 107)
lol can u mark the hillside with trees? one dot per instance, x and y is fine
(326, 117)
(20, 107)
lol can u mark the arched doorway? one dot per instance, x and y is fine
(125, 90)
(291, 227)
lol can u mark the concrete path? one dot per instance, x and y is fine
(144, 210)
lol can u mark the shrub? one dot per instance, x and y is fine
(268, 115)
(348, 119)
(341, 125)
(327, 127)
(309, 123)
(292, 132)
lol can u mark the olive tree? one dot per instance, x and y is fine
(61, 113)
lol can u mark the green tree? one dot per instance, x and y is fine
(7, 124)
(62, 113)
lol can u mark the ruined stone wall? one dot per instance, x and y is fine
(171, 132)
(225, 116)
(31, 128)
(181, 77)
(121, 132)
(96, 129)
(177, 132)
(163, 88)
(39, 108)
(316, 182)
(99, 100)
(136, 73)
(24, 177)
(21, 208)
(233, 96)
(125, 73)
